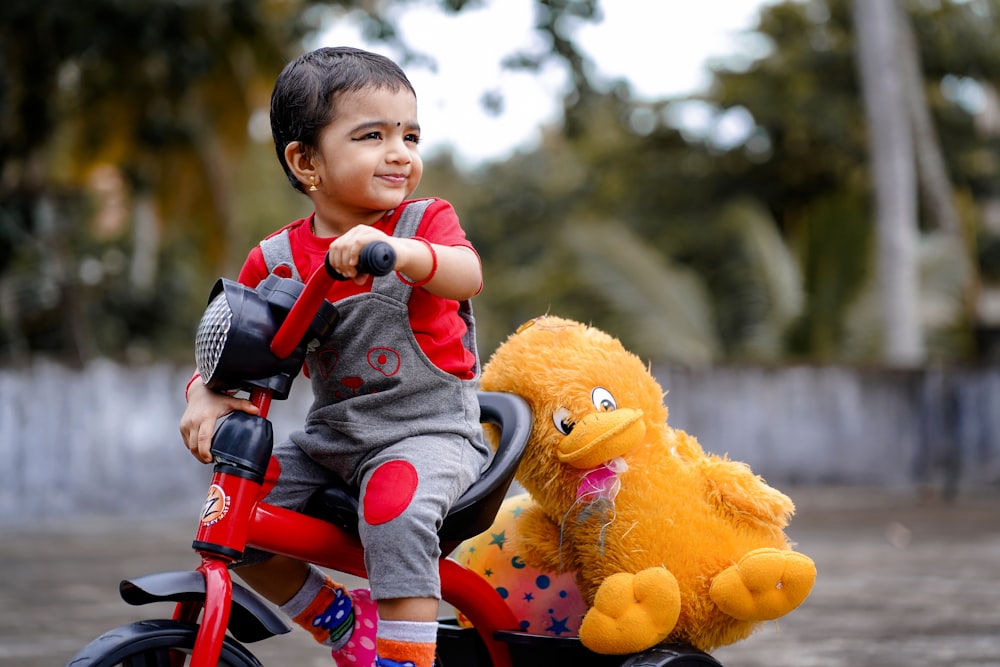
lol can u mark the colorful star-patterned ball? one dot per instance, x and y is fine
(545, 603)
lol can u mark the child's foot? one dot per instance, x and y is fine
(359, 649)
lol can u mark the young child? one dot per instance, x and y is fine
(395, 410)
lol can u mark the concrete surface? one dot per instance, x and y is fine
(902, 581)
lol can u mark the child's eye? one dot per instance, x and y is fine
(415, 138)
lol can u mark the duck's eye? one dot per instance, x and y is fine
(563, 421)
(603, 400)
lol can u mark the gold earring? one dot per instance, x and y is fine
(312, 184)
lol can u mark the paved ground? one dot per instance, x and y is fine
(902, 581)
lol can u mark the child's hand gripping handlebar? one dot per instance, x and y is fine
(376, 259)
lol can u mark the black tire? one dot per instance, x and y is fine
(670, 654)
(150, 644)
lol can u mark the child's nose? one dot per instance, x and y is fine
(397, 150)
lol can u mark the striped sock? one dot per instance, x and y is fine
(406, 644)
(323, 608)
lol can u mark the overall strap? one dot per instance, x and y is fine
(406, 227)
(277, 250)
(409, 219)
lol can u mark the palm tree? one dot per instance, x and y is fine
(887, 98)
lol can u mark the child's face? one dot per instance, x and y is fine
(368, 159)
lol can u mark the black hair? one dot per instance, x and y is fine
(304, 95)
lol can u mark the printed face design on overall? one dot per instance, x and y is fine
(368, 158)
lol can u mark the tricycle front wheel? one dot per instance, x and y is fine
(154, 644)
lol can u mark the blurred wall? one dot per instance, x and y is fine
(104, 441)
(936, 427)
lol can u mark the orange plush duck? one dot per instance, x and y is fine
(662, 541)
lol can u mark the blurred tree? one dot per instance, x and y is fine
(886, 91)
(634, 231)
(122, 128)
(817, 137)
(766, 200)
(119, 135)
(745, 237)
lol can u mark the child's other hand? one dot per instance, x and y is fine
(205, 407)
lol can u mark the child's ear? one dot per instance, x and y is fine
(300, 161)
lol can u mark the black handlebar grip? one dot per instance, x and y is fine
(376, 259)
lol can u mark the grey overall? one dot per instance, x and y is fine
(389, 422)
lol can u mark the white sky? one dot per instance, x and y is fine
(660, 46)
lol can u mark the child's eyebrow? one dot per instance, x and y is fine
(379, 124)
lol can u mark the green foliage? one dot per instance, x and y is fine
(692, 245)
(775, 228)
(836, 236)
(160, 93)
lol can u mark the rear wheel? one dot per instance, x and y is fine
(669, 654)
(159, 643)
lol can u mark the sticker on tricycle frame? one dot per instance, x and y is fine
(216, 506)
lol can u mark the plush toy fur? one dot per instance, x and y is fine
(666, 541)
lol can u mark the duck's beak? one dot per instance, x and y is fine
(601, 437)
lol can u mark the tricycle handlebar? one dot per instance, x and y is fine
(376, 259)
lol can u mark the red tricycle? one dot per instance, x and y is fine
(255, 340)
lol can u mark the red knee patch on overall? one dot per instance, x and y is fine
(390, 491)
